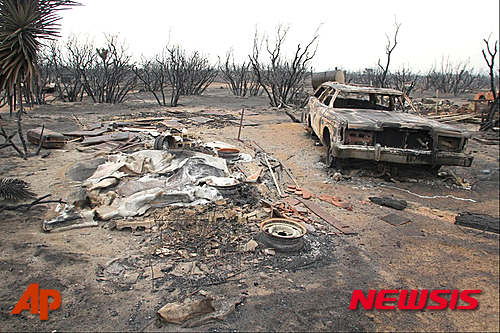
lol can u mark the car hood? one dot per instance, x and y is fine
(376, 120)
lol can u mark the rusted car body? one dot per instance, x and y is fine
(379, 124)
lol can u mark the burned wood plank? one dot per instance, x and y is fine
(171, 123)
(201, 120)
(214, 113)
(345, 229)
(94, 132)
(120, 136)
(478, 221)
(389, 202)
(248, 113)
(245, 122)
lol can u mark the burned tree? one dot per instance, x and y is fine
(239, 77)
(405, 80)
(489, 123)
(454, 78)
(45, 81)
(70, 63)
(153, 75)
(389, 48)
(199, 74)
(110, 77)
(282, 79)
(174, 69)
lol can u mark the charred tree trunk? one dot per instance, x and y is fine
(19, 121)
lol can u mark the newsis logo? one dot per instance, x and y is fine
(414, 299)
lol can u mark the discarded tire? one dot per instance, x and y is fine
(282, 234)
(164, 142)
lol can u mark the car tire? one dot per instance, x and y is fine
(332, 161)
(329, 157)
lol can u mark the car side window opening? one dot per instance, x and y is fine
(319, 91)
(326, 96)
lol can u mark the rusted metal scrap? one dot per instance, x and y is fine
(119, 136)
(345, 229)
(336, 201)
(49, 139)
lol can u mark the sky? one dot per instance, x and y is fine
(352, 35)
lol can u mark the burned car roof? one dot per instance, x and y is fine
(362, 89)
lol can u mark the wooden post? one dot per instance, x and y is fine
(241, 123)
(437, 101)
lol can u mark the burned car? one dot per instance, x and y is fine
(380, 124)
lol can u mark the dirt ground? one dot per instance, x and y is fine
(305, 291)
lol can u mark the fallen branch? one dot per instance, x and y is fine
(27, 206)
(8, 141)
(42, 140)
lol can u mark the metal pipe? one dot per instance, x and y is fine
(272, 174)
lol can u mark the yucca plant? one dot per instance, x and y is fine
(13, 189)
(24, 24)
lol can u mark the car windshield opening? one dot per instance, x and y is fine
(370, 101)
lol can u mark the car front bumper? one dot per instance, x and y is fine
(401, 156)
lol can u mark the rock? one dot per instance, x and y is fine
(186, 268)
(251, 246)
(309, 227)
(82, 170)
(270, 252)
(337, 176)
(178, 313)
(226, 308)
(158, 274)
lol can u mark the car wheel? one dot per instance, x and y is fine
(164, 142)
(332, 161)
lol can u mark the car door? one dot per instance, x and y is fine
(319, 110)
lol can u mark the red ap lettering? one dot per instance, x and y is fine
(39, 302)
